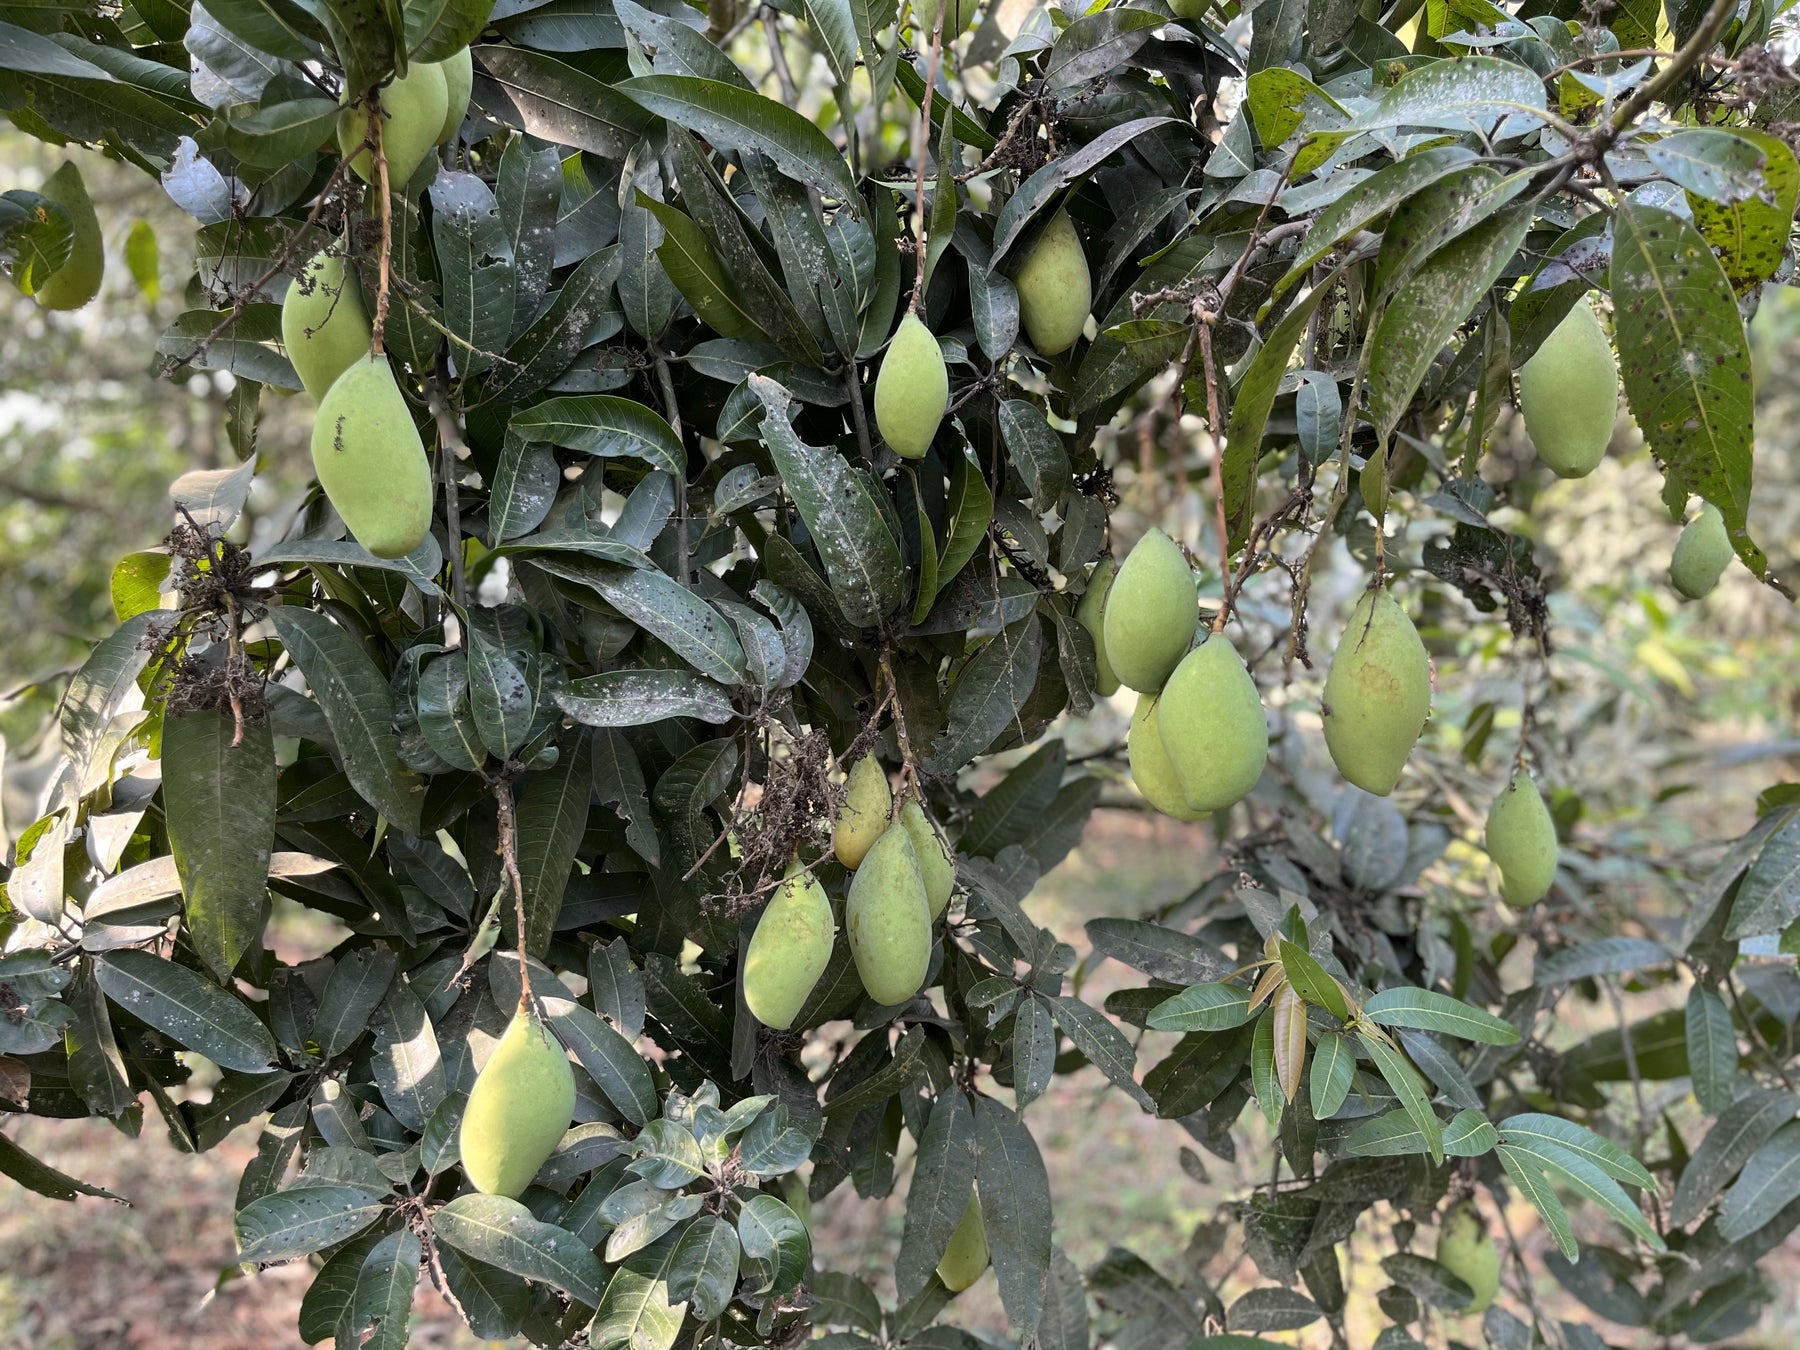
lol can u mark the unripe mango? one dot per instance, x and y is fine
(936, 867)
(1150, 614)
(1377, 695)
(1090, 613)
(518, 1109)
(967, 1255)
(1151, 768)
(414, 107)
(1467, 1252)
(864, 815)
(323, 323)
(956, 19)
(1701, 554)
(371, 462)
(459, 83)
(1521, 839)
(912, 389)
(789, 951)
(1569, 394)
(1210, 718)
(77, 281)
(888, 919)
(1055, 288)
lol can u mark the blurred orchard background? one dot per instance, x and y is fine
(1670, 719)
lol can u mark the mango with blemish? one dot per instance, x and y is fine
(78, 280)
(324, 326)
(371, 462)
(1377, 694)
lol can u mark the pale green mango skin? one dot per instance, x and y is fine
(1150, 614)
(788, 952)
(324, 325)
(1151, 769)
(1521, 839)
(936, 868)
(78, 280)
(1702, 554)
(912, 390)
(416, 107)
(1377, 695)
(1210, 718)
(1569, 394)
(459, 83)
(518, 1110)
(1090, 613)
(1055, 288)
(956, 19)
(863, 818)
(967, 1254)
(888, 920)
(1467, 1252)
(371, 462)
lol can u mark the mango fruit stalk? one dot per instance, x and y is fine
(1090, 613)
(1211, 722)
(371, 462)
(1377, 694)
(888, 919)
(1702, 554)
(1055, 288)
(789, 950)
(324, 325)
(966, 1256)
(861, 820)
(413, 109)
(77, 281)
(1151, 613)
(1467, 1252)
(519, 1108)
(936, 867)
(459, 83)
(1569, 394)
(1521, 839)
(912, 390)
(1151, 768)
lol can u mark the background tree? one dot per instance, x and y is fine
(682, 564)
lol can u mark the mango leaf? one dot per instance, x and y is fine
(1203, 1007)
(1712, 1049)
(1409, 1088)
(504, 1233)
(610, 1060)
(1528, 1175)
(1428, 1010)
(477, 268)
(943, 1180)
(636, 1312)
(704, 1270)
(862, 558)
(35, 1175)
(552, 818)
(219, 804)
(1751, 234)
(1744, 1127)
(1685, 359)
(184, 1007)
(632, 698)
(356, 701)
(1311, 980)
(1532, 1129)
(988, 694)
(1333, 1069)
(1015, 1209)
(563, 105)
(357, 985)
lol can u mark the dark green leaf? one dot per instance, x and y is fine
(185, 1008)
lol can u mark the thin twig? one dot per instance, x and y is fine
(509, 861)
(666, 383)
(450, 439)
(1216, 427)
(921, 134)
(383, 260)
(1668, 77)
(778, 59)
(859, 416)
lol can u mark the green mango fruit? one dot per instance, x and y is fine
(1090, 613)
(1569, 394)
(78, 280)
(1467, 1252)
(861, 820)
(371, 462)
(519, 1108)
(789, 951)
(1377, 695)
(888, 919)
(1190, 10)
(1521, 839)
(1210, 718)
(324, 325)
(1055, 288)
(1701, 554)
(459, 83)
(912, 390)
(967, 1255)
(936, 867)
(1150, 614)
(1151, 768)
(415, 107)
(956, 19)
